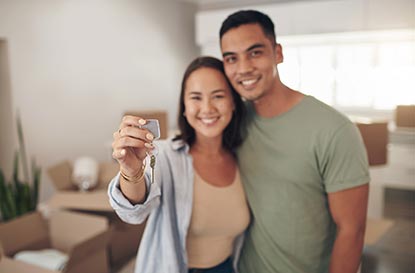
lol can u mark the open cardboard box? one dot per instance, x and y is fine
(83, 237)
(68, 195)
(124, 238)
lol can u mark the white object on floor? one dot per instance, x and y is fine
(47, 258)
(85, 173)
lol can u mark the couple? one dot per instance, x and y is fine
(301, 164)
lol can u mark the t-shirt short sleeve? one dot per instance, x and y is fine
(344, 161)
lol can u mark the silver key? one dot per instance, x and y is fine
(152, 165)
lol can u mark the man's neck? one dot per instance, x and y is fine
(280, 100)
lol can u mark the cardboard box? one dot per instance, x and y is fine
(405, 116)
(83, 237)
(376, 229)
(124, 238)
(376, 137)
(161, 116)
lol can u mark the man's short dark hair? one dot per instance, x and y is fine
(244, 17)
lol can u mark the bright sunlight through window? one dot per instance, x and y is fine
(362, 70)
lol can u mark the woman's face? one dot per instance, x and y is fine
(208, 102)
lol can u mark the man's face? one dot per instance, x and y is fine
(250, 60)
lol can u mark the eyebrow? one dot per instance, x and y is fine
(212, 92)
(254, 46)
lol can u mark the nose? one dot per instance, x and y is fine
(207, 106)
(245, 66)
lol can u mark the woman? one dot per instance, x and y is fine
(196, 207)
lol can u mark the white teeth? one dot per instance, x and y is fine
(208, 120)
(248, 82)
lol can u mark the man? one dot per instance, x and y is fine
(303, 164)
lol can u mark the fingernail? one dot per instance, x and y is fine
(141, 121)
(149, 136)
(148, 145)
(122, 152)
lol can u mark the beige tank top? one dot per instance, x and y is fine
(219, 215)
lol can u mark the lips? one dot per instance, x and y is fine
(249, 83)
(209, 121)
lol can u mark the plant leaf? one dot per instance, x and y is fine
(22, 148)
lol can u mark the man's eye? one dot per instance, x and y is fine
(219, 96)
(256, 53)
(230, 59)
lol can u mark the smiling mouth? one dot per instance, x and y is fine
(208, 121)
(249, 83)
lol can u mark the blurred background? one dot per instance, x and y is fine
(73, 68)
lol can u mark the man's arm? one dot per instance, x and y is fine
(348, 209)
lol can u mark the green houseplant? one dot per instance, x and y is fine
(19, 196)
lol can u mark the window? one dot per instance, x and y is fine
(361, 71)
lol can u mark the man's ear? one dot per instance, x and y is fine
(279, 56)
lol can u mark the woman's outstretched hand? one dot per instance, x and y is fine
(130, 145)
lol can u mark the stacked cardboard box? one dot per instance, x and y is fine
(124, 238)
(83, 238)
(375, 135)
(405, 116)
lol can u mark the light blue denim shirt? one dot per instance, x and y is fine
(168, 207)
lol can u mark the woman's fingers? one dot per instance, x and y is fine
(119, 153)
(135, 132)
(132, 121)
(131, 143)
(131, 140)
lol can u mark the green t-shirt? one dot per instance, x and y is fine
(288, 165)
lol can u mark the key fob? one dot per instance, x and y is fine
(153, 126)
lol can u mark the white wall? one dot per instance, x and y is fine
(77, 65)
(310, 17)
(6, 114)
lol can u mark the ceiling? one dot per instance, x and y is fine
(223, 4)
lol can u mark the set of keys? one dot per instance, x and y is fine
(153, 126)
(152, 165)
